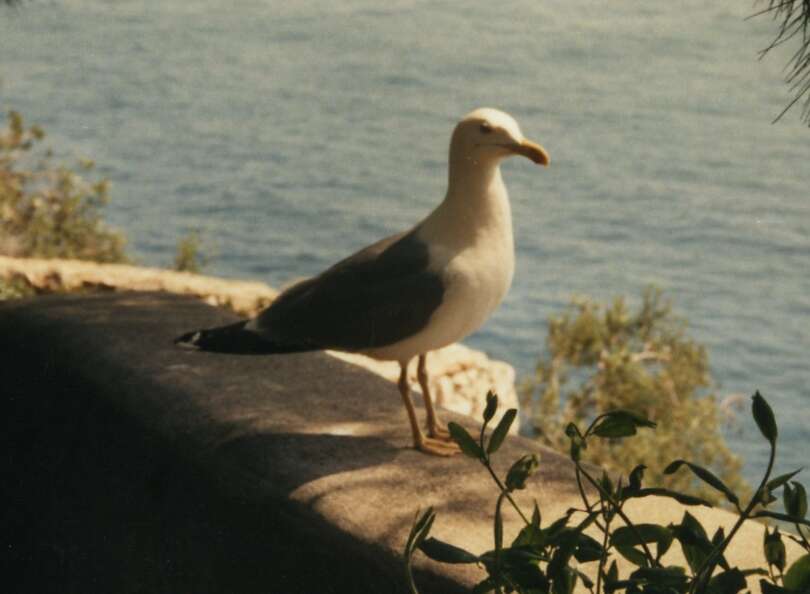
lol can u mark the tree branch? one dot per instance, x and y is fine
(793, 18)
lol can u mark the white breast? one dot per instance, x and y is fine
(476, 263)
(476, 282)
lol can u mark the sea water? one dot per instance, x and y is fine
(289, 134)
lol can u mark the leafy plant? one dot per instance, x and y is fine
(546, 559)
(49, 210)
(15, 289)
(189, 256)
(604, 357)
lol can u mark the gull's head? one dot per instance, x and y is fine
(486, 136)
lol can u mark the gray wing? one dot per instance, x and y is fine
(379, 296)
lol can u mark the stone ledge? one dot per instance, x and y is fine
(305, 441)
(196, 472)
(460, 376)
(55, 275)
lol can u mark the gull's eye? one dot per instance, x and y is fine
(486, 128)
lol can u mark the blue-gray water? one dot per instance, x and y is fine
(290, 133)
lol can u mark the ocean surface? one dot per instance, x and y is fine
(289, 134)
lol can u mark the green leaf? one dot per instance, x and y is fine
(465, 441)
(534, 537)
(717, 539)
(620, 423)
(499, 434)
(521, 471)
(514, 555)
(624, 536)
(612, 574)
(707, 477)
(491, 407)
(636, 475)
(781, 479)
(728, 582)
(423, 534)
(798, 575)
(536, 515)
(633, 555)
(774, 549)
(763, 415)
(587, 549)
(571, 430)
(446, 553)
(795, 500)
(694, 541)
(764, 513)
(498, 525)
(419, 531)
(530, 535)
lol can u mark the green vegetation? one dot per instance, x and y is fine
(48, 210)
(793, 18)
(15, 289)
(603, 357)
(546, 559)
(190, 256)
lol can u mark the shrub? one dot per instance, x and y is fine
(15, 289)
(606, 357)
(189, 255)
(545, 559)
(49, 210)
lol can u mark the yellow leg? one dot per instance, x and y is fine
(435, 426)
(420, 442)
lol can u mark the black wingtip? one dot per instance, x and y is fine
(230, 339)
(189, 340)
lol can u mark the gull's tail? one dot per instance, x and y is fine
(235, 339)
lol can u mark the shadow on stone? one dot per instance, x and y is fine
(95, 506)
(294, 459)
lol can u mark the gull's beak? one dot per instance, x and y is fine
(532, 151)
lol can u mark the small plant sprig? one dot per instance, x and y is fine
(547, 559)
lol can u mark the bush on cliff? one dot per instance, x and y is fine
(603, 357)
(49, 210)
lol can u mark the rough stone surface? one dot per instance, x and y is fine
(53, 275)
(460, 376)
(137, 466)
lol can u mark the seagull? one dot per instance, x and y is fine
(411, 293)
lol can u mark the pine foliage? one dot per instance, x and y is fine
(602, 358)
